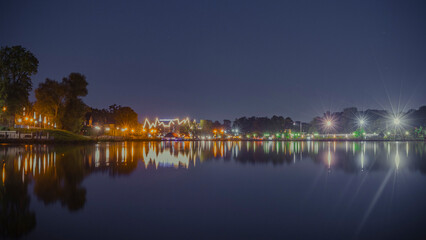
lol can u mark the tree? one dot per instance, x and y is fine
(227, 124)
(75, 87)
(359, 133)
(17, 65)
(184, 128)
(100, 116)
(206, 126)
(61, 101)
(50, 97)
(125, 116)
(73, 115)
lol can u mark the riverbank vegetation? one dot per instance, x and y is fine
(59, 110)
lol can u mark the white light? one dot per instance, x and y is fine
(396, 121)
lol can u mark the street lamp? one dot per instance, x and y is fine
(396, 121)
(329, 125)
(235, 131)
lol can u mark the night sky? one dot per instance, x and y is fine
(225, 59)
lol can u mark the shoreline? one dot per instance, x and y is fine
(91, 141)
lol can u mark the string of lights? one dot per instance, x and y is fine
(167, 123)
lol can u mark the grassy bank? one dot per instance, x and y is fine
(66, 136)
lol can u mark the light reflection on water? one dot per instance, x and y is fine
(34, 174)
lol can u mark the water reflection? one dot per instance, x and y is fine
(57, 172)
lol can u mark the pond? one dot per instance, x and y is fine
(214, 190)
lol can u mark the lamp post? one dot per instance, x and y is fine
(396, 123)
(328, 124)
(361, 125)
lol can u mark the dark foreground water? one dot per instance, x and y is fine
(214, 190)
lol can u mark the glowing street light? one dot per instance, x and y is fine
(328, 124)
(396, 121)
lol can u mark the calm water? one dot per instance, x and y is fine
(214, 190)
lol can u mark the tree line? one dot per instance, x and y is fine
(114, 114)
(346, 121)
(58, 103)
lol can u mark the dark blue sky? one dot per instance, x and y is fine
(226, 59)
